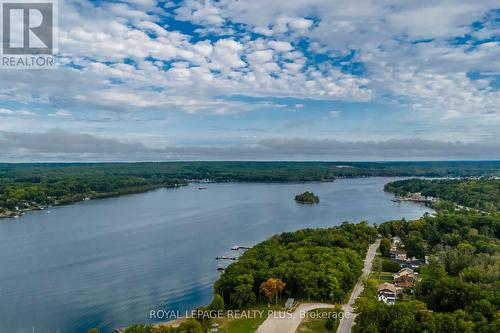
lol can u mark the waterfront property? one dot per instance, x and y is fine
(172, 237)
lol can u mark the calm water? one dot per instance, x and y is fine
(106, 263)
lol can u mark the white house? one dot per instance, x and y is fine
(387, 293)
(396, 240)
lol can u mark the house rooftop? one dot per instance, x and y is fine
(405, 271)
(387, 287)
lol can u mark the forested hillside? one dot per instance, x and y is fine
(482, 194)
(314, 264)
(458, 292)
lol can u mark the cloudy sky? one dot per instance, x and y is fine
(261, 80)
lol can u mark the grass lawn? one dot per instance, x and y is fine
(245, 325)
(313, 324)
(382, 277)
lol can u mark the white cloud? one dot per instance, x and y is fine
(280, 46)
(199, 12)
(20, 112)
(126, 58)
(299, 23)
(6, 111)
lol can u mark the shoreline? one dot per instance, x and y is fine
(86, 197)
(96, 196)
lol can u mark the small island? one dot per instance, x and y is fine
(307, 198)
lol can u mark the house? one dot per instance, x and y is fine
(395, 241)
(404, 271)
(417, 197)
(405, 278)
(405, 281)
(387, 293)
(412, 264)
(344, 167)
(398, 254)
(289, 303)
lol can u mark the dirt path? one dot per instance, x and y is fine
(289, 324)
(347, 322)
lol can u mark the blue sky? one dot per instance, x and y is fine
(264, 80)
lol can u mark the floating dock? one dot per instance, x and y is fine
(239, 247)
(225, 258)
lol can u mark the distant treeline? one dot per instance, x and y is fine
(481, 194)
(314, 264)
(24, 187)
(27, 186)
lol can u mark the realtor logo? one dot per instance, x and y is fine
(28, 33)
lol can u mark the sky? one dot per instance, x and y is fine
(147, 80)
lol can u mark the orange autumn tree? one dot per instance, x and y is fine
(272, 288)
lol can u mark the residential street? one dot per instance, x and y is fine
(347, 323)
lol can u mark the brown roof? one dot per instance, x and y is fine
(408, 277)
(405, 271)
(387, 286)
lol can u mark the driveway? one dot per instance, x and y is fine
(289, 324)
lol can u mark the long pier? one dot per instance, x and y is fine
(225, 258)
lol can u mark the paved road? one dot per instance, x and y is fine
(289, 323)
(345, 325)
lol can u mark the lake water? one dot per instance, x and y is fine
(107, 263)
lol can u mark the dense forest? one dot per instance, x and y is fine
(313, 264)
(482, 194)
(459, 290)
(30, 186)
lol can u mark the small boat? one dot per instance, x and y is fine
(202, 188)
(220, 269)
(48, 212)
